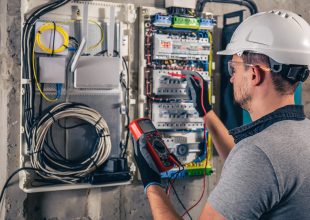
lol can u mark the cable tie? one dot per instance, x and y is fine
(36, 152)
(28, 109)
(106, 135)
(39, 32)
(98, 121)
(65, 46)
(100, 133)
(54, 36)
(52, 116)
(94, 162)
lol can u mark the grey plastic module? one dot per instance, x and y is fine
(97, 72)
(52, 69)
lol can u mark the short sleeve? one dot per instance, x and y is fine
(248, 186)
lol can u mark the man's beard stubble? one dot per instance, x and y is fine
(244, 98)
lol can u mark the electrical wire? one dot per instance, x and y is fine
(209, 147)
(171, 181)
(247, 3)
(36, 78)
(206, 139)
(57, 28)
(100, 41)
(206, 161)
(6, 184)
(61, 169)
(125, 85)
(27, 45)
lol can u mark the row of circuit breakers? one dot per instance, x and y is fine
(77, 97)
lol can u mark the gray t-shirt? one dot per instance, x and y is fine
(267, 175)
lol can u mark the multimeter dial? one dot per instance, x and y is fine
(159, 146)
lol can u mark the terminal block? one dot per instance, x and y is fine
(185, 22)
(162, 20)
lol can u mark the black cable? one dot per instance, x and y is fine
(247, 3)
(27, 45)
(49, 156)
(73, 126)
(171, 181)
(125, 86)
(6, 184)
(54, 149)
(181, 203)
(54, 36)
(76, 42)
(41, 100)
(29, 89)
(254, 6)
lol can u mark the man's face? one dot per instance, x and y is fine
(241, 82)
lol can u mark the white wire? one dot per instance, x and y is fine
(64, 173)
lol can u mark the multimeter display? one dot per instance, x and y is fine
(146, 126)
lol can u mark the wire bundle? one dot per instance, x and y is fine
(62, 169)
(28, 42)
(60, 30)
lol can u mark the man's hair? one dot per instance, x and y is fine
(281, 84)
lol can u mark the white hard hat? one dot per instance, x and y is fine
(279, 34)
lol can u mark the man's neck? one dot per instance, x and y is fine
(260, 108)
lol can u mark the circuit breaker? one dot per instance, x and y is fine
(174, 40)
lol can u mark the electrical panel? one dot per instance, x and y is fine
(75, 99)
(175, 42)
(76, 82)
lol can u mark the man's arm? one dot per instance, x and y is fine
(223, 142)
(162, 208)
(210, 213)
(160, 204)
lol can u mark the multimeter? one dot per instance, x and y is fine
(157, 148)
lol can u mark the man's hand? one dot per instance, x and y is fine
(195, 84)
(147, 167)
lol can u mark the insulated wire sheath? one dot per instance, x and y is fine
(60, 30)
(36, 77)
(100, 42)
(209, 149)
(51, 169)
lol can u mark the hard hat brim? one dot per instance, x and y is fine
(227, 52)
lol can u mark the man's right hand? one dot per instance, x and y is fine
(194, 91)
(149, 173)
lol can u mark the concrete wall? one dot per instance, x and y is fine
(127, 202)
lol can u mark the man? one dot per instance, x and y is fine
(266, 174)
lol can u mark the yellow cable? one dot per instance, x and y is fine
(100, 42)
(102, 36)
(60, 30)
(36, 78)
(209, 139)
(209, 146)
(210, 65)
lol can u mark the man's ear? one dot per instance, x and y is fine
(258, 75)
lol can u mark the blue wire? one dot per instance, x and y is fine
(58, 89)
